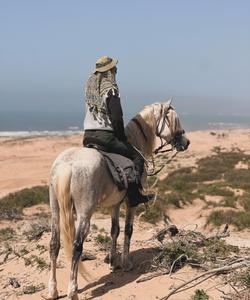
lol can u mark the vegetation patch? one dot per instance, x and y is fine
(7, 233)
(214, 175)
(40, 262)
(31, 289)
(12, 205)
(215, 249)
(179, 252)
(240, 219)
(211, 254)
(194, 248)
(6, 251)
(102, 239)
(151, 215)
(41, 248)
(242, 279)
(36, 231)
(200, 294)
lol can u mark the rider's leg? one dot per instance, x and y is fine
(111, 143)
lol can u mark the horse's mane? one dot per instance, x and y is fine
(147, 120)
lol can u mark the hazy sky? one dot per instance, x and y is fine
(196, 51)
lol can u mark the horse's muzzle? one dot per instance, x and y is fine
(181, 143)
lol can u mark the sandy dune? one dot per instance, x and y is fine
(26, 163)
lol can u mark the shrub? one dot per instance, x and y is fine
(13, 204)
(6, 233)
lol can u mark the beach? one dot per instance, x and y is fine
(26, 162)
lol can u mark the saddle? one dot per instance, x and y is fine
(121, 168)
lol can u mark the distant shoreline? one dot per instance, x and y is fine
(64, 133)
(41, 123)
(37, 133)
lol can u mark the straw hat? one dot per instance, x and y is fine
(105, 63)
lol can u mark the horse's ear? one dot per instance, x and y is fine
(168, 103)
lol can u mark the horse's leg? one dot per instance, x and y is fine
(54, 244)
(115, 230)
(126, 263)
(81, 234)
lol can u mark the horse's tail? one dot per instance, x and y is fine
(67, 219)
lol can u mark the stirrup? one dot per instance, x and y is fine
(142, 199)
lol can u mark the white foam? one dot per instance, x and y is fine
(225, 125)
(35, 133)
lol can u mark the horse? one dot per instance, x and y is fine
(80, 180)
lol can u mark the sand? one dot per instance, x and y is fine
(26, 162)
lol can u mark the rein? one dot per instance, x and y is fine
(140, 127)
(153, 173)
(165, 122)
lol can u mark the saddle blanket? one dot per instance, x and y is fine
(121, 168)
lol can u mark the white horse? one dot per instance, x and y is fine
(79, 181)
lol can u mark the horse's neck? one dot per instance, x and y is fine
(142, 135)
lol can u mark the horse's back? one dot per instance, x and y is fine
(76, 158)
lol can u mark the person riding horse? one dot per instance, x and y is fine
(103, 123)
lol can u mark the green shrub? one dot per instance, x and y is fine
(239, 178)
(221, 217)
(200, 294)
(215, 189)
(102, 239)
(229, 201)
(212, 176)
(6, 234)
(14, 203)
(152, 215)
(218, 249)
(239, 219)
(245, 201)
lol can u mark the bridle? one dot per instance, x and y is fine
(160, 126)
(165, 121)
(174, 134)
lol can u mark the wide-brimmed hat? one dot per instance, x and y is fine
(105, 63)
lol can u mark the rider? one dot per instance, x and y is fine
(104, 124)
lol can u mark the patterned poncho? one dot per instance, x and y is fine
(96, 91)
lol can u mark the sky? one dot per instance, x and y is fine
(196, 51)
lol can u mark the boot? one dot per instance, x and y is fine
(135, 196)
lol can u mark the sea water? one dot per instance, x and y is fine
(68, 123)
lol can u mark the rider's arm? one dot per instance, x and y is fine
(115, 113)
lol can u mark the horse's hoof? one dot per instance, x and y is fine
(115, 263)
(127, 266)
(72, 292)
(106, 259)
(52, 295)
(74, 297)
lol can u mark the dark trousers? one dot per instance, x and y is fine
(108, 141)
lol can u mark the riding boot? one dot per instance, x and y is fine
(139, 167)
(135, 196)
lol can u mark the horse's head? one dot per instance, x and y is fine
(168, 127)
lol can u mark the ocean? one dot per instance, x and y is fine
(67, 123)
